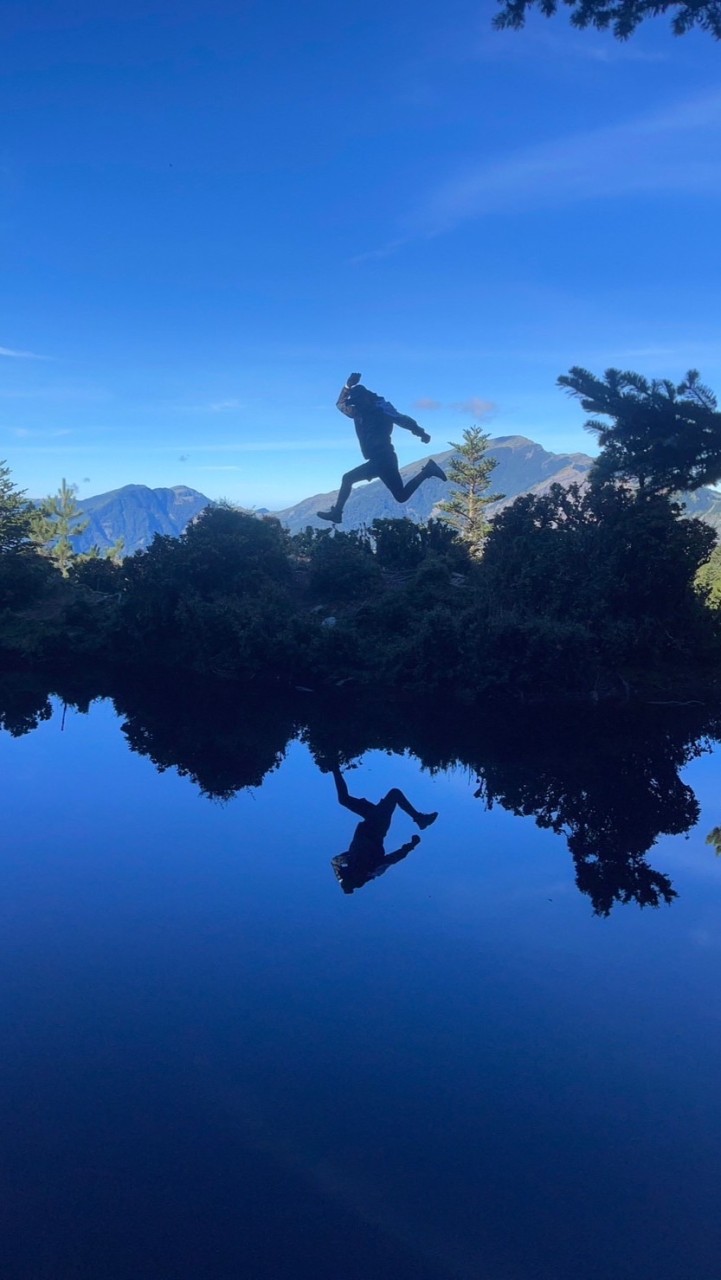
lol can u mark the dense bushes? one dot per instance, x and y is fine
(619, 563)
(342, 566)
(25, 578)
(215, 601)
(577, 593)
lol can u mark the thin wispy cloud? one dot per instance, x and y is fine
(475, 406)
(385, 251)
(11, 354)
(57, 394)
(196, 449)
(28, 433)
(263, 446)
(590, 47)
(677, 150)
(225, 405)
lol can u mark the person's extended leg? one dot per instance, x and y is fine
(388, 471)
(335, 513)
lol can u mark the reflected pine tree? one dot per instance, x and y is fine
(25, 696)
(611, 790)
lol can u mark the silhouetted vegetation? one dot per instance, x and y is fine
(621, 16)
(662, 437)
(611, 788)
(606, 590)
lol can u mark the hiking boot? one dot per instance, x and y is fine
(432, 469)
(333, 514)
(425, 819)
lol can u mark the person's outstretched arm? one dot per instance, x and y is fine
(410, 424)
(399, 854)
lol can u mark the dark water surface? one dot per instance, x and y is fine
(216, 1064)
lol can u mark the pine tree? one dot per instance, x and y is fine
(664, 437)
(15, 513)
(116, 553)
(621, 16)
(469, 471)
(56, 522)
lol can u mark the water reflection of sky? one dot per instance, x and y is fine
(217, 1064)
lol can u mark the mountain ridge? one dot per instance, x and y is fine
(523, 467)
(136, 513)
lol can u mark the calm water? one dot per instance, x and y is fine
(217, 1064)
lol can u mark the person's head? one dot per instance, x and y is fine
(345, 873)
(360, 398)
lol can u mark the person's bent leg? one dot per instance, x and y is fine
(396, 797)
(427, 472)
(335, 513)
(389, 472)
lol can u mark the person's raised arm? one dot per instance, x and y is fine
(342, 402)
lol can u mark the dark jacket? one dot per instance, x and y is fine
(374, 419)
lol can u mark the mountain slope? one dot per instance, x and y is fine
(136, 513)
(523, 466)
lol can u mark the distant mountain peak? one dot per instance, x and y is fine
(523, 466)
(136, 513)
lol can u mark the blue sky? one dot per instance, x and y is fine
(210, 214)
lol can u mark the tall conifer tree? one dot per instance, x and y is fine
(56, 522)
(15, 513)
(469, 472)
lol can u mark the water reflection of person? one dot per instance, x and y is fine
(366, 859)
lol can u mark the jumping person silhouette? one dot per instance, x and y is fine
(374, 419)
(366, 858)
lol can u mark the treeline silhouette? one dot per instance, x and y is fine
(578, 593)
(603, 590)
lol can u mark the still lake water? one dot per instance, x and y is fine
(217, 1065)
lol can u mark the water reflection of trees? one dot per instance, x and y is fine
(222, 739)
(611, 789)
(609, 782)
(24, 703)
